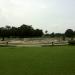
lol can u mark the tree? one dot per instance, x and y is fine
(52, 34)
(8, 30)
(46, 32)
(14, 32)
(20, 32)
(2, 33)
(74, 33)
(25, 31)
(8, 27)
(38, 33)
(69, 33)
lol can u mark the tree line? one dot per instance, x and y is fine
(70, 33)
(24, 31)
(27, 31)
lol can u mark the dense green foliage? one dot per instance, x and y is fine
(20, 32)
(56, 60)
(71, 42)
(69, 33)
(27, 31)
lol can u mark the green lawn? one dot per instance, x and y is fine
(57, 60)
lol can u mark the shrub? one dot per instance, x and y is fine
(71, 42)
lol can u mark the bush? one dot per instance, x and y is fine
(71, 42)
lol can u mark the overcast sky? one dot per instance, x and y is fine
(53, 15)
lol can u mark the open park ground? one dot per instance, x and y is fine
(53, 60)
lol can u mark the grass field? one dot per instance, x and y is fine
(57, 60)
